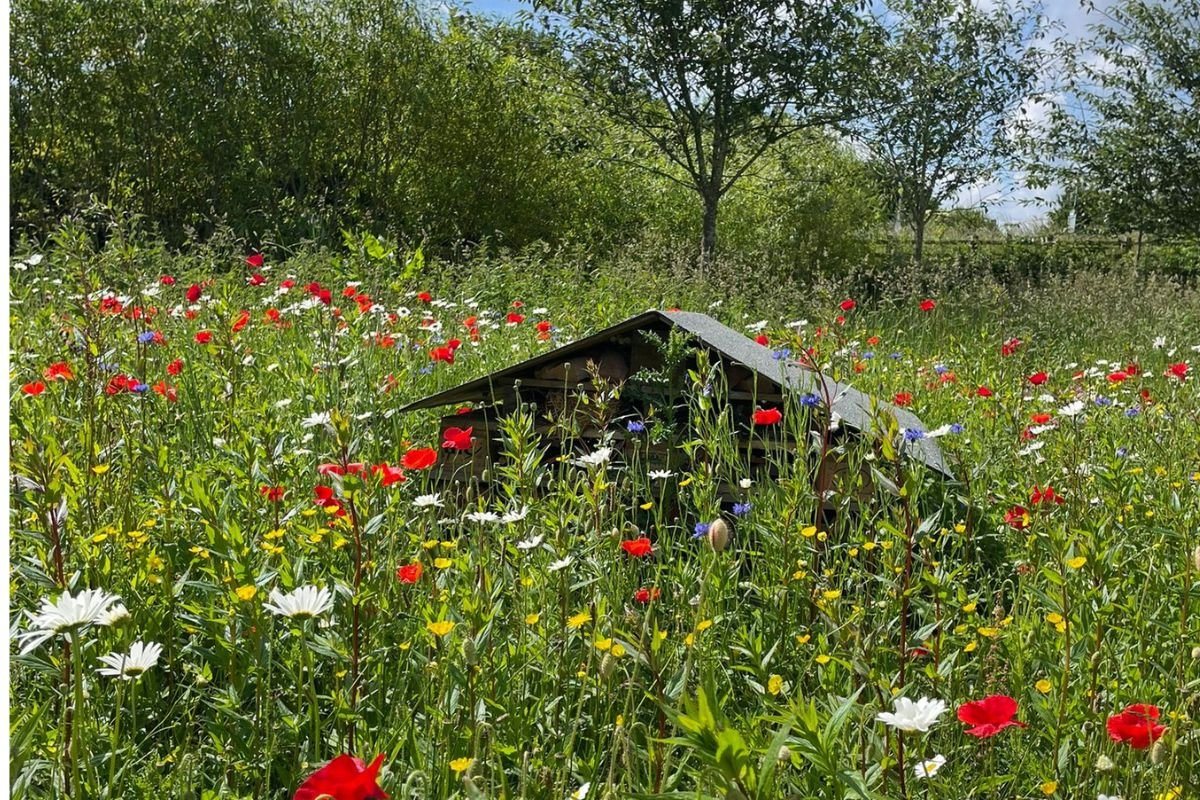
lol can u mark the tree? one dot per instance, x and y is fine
(943, 97)
(1126, 134)
(710, 85)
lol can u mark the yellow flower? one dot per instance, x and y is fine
(969, 608)
(1049, 787)
(532, 619)
(1054, 618)
(618, 650)
(775, 684)
(460, 765)
(1076, 562)
(278, 533)
(647, 506)
(822, 536)
(689, 640)
(1044, 686)
(579, 620)
(868, 546)
(154, 562)
(991, 633)
(803, 638)
(448, 545)
(405, 645)
(960, 528)
(527, 581)
(100, 469)
(970, 648)
(1174, 793)
(809, 532)
(831, 594)
(603, 644)
(247, 592)
(429, 544)
(823, 659)
(703, 625)
(620, 720)
(442, 563)
(686, 481)
(440, 628)
(854, 552)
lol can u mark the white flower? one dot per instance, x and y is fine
(428, 500)
(483, 516)
(929, 767)
(34, 259)
(1108, 797)
(595, 459)
(130, 666)
(910, 716)
(515, 516)
(1103, 763)
(1073, 409)
(1159, 343)
(562, 563)
(745, 483)
(1032, 447)
(319, 418)
(302, 603)
(531, 542)
(66, 614)
(117, 613)
(660, 474)
(582, 792)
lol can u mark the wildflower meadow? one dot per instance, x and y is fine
(236, 573)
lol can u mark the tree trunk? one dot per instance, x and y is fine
(708, 238)
(918, 238)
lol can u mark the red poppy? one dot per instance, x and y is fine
(1117, 377)
(1010, 347)
(1047, 496)
(442, 354)
(638, 548)
(514, 318)
(644, 596)
(1179, 370)
(989, 716)
(203, 337)
(175, 367)
(1017, 517)
(193, 293)
(874, 340)
(388, 474)
(255, 260)
(762, 339)
(166, 390)
(928, 305)
(1040, 419)
(119, 383)
(457, 438)
(767, 416)
(167, 280)
(1038, 378)
(425, 297)
(421, 458)
(544, 326)
(984, 391)
(410, 573)
(257, 279)
(1136, 726)
(903, 399)
(242, 320)
(344, 778)
(323, 497)
(847, 305)
(59, 371)
(34, 389)
(274, 494)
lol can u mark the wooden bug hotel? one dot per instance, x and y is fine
(585, 393)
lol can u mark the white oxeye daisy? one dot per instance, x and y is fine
(65, 615)
(562, 563)
(130, 666)
(319, 418)
(428, 501)
(929, 767)
(745, 483)
(483, 516)
(116, 614)
(582, 792)
(910, 716)
(1072, 409)
(595, 459)
(305, 602)
(531, 542)
(515, 516)
(660, 474)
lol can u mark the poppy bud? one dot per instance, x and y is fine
(468, 650)
(608, 665)
(718, 535)
(1158, 752)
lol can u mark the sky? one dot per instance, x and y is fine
(1006, 200)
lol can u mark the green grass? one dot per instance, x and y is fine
(759, 669)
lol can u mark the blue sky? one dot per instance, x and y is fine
(1006, 200)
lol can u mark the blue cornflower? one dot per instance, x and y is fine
(1122, 452)
(781, 354)
(708, 390)
(1103, 401)
(940, 369)
(1132, 412)
(427, 369)
(895, 356)
(636, 427)
(146, 337)
(868, 355)
(700, 531)
(741, 509)
(810, 400)
(914, 435)
(956, 427)
(141, 387)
